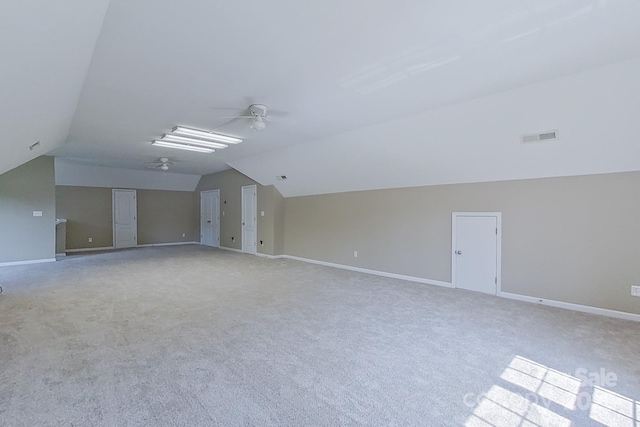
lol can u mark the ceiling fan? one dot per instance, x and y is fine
(163, 163)
(259, 115)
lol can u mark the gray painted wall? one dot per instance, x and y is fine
(163, 216)
(573, 239)
(28, 188)
(278, 222)
(61, 238)
(266, 238)
(270, 201)
(89, 215)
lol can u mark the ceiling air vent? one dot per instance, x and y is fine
(538, 137)
(281, 177)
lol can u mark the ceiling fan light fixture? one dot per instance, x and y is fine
(181, 146)
(257, 123)
(204, 134)
(186, 140)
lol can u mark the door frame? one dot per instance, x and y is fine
(255, 207)
(216, 217)
(113, 214)
(454, 258)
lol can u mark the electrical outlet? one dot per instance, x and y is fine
(184, 235)
(355, 254)
(635, 290)
(90, 239)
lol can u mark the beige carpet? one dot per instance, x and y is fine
(192, 336)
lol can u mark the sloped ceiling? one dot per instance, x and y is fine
(46, 48)
(592, 112)
(345, 71)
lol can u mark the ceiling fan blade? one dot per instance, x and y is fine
(229, 110)
(279, 119)
(278, 113)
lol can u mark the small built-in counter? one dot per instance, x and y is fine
(61, 237)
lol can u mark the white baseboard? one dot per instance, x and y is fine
(558, 304)
(33, 261)
(570, 306)
(111, 248)
(270, 256)
(224, 248)
(151, 245)
(104, 248)
(374, 272)
(61, 255)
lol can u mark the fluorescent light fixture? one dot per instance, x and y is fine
(185, 140)
(181, 130)
(182, 146)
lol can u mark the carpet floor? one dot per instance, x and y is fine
(195, 336)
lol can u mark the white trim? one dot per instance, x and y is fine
(111, 248)
(570, 306)
(551, 303)
(103, 248)
(149, 245)
(224, 248)
(374, 272)
(33, 261)
(61, 254)
(498, 216)
(270, 256)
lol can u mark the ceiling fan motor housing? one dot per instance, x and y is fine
(259, 113)
(258, 110)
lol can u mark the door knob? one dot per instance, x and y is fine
(458, 252)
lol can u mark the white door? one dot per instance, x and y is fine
(210, 218)
(125, 222)
(476, 251)
(249, 219)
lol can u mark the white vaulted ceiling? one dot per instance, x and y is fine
(373, 87)
(45, 51)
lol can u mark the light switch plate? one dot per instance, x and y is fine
(37, 213)
(635, 290)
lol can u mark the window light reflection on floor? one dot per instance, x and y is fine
(502, 408)
(612, 409)
(547, 383)
(542, 389)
